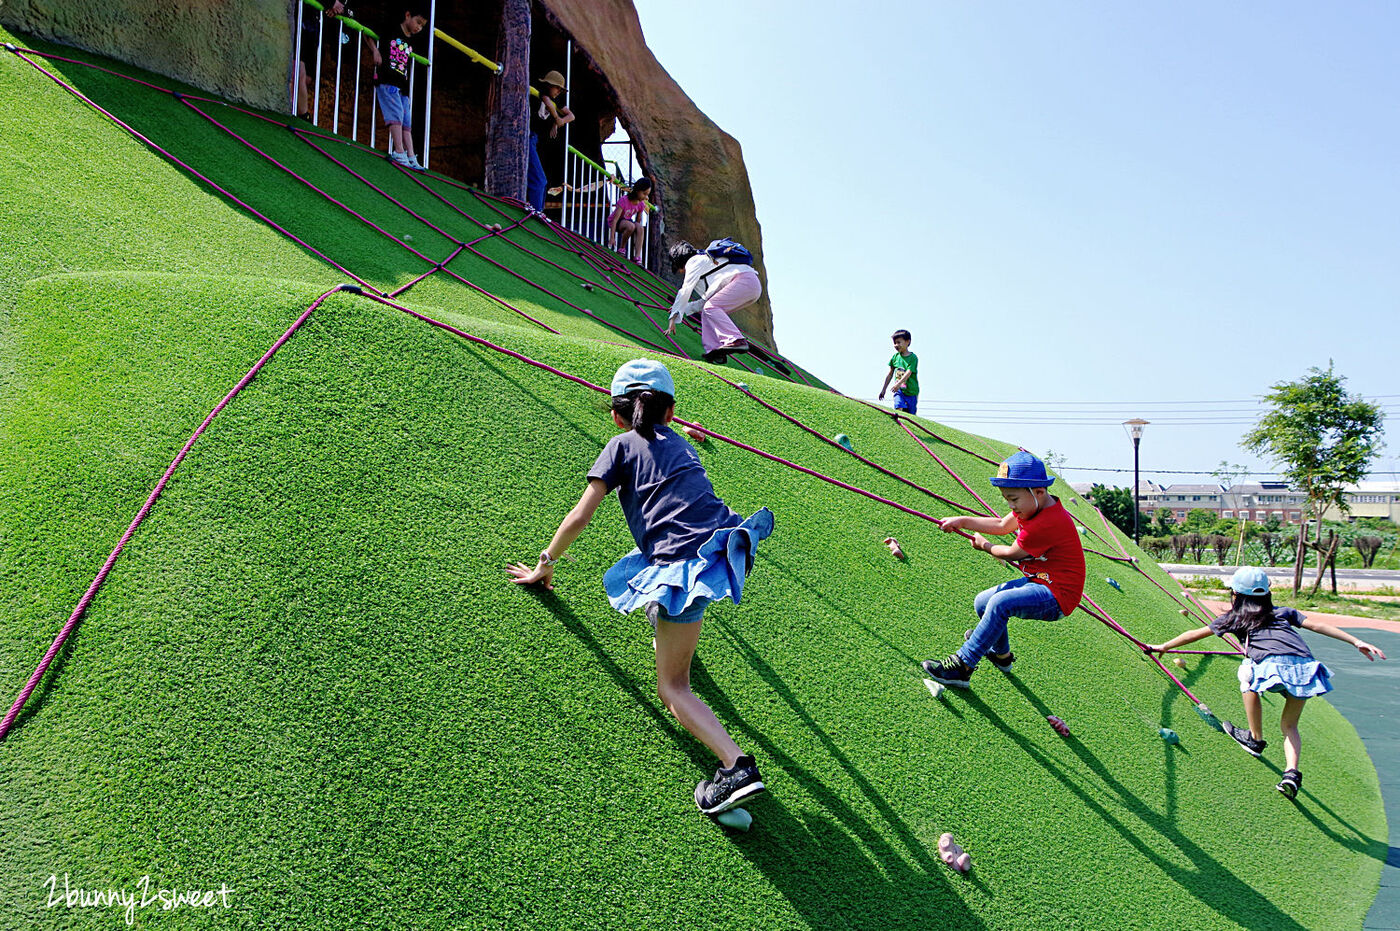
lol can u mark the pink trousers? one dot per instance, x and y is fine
(716, 329)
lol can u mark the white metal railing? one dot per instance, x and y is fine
(346, 27)
(590, 191)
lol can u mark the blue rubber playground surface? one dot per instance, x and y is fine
(1369, 695)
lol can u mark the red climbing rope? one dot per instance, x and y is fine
(86, 600)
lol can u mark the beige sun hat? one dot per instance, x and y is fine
(555, 78)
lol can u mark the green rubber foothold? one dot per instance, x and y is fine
(736, 818)
(1169, 735)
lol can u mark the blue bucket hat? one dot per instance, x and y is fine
(1249, 580)
(642, 373)
(1022, 470)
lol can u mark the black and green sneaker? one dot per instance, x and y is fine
(952, 671)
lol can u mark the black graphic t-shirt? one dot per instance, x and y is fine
(394, 49)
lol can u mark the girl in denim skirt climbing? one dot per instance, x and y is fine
(1277, 660)
(692, 549)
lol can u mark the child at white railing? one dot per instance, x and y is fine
(310, 43)
(625, 225)
(397, 41)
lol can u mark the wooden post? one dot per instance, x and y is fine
(508, 107)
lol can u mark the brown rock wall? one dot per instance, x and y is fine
(239, 51)
(698, 167)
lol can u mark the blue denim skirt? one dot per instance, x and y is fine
(717, 571)
(1299, 676)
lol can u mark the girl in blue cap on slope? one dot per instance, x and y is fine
(1277, 660)
(691, 549)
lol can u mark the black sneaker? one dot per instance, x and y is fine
(716, 356)
(1002, 661)
(1291, 782)
(729, 787)
(952, 671)
(1244, 738)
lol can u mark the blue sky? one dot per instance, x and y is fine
(1124, 209)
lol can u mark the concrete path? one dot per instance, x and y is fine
(1354, 579)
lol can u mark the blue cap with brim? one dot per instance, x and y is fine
(1250, 580)
(1022, 470)
(642, 373)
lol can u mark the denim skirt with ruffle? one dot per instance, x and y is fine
(717, 571)
(1299, 676)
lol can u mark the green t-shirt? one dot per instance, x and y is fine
(910, 362)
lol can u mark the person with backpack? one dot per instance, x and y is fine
(724, 276)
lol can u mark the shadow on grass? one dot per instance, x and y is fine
(41, 691)
(878, 885)
(1211, 882)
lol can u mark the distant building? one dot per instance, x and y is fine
(1258, 501)
(1182, 499)
(1369, 499)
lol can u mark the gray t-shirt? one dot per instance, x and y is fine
(1276, 639)
(670, 505)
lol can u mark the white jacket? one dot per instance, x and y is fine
(696, 269)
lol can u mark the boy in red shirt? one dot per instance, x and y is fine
(1047, 544)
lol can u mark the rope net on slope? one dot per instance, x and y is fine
(608, 266)
(646, 290)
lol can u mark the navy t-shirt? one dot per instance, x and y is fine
(1276, 639)
(670, 505)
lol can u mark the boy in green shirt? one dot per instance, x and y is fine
(906, 383)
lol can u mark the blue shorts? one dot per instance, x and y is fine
(909, 403)
(690, 615)
(396, 106)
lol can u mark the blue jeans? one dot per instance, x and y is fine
(995, 606)
(536, 181)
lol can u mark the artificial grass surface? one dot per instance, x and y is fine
(308, 677)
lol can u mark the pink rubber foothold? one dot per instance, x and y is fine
(1060, 727)
(893, 544)
(694, 434)
(963, 864)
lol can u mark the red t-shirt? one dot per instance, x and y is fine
(1057, 556)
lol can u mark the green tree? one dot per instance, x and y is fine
(1324, 439)
(1199, 520)
(1164, 524)
(1117, 505)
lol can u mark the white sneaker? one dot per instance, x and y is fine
(413, 163)
(399, 158)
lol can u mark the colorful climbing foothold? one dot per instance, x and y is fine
(934, 688)
(696, 435)
(1185, 612)
(844, 442)
(1169, 735)
(1060, 727)
(1179, 663)
(893, 544)
(1114, 583)
(742, 387)
(586, 285)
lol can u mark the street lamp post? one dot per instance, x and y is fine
(1134, 428)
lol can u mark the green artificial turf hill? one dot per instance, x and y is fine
(307, 677)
